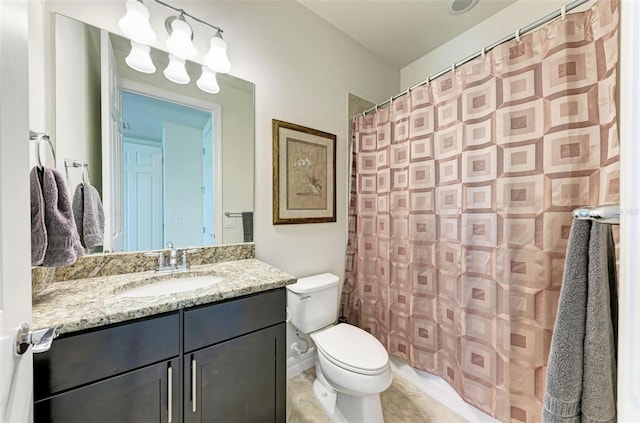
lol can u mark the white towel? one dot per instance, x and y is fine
(89, 215)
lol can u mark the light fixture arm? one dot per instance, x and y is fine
(182, 13)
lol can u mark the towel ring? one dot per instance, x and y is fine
(85, 171)
(44, 137)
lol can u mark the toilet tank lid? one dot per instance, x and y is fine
(314, 283)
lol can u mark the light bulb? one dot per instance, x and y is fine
(207, 81)
(216, 59)
(139, 58)
(176, 70)
(179, 43)
(135, 23)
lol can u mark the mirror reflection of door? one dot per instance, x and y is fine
(168, 173)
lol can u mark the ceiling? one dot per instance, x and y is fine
(401, 31)
(144, 117)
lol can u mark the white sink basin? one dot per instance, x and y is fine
(172, 286)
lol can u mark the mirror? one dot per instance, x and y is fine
(171, 162)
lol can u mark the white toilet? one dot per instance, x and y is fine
(352, 367)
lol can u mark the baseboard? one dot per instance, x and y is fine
(441, 391)
(299, 363)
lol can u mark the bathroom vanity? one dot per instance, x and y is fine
(212, 354)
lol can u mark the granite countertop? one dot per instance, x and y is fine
(92, 302)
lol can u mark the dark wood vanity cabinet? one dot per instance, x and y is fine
(223, 362)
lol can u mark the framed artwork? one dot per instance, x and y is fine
(304, 174)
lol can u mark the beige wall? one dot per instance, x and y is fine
(503, 23)
(77, 82)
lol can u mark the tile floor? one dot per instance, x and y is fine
(401, 403)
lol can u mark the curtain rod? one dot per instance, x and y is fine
(560, 12)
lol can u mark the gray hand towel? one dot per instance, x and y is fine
(247, 226)
(89, 215)
(581, 373)
(38, 229)
(63, 245)
(599, 379)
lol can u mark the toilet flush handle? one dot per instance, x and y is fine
(306, 298)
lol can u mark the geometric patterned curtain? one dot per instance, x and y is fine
(461, 207)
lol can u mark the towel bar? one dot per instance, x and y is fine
(608, 213)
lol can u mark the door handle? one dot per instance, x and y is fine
(194, 374)
(170, 392)
(40, 339)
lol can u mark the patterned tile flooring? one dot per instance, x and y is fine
(401, 403)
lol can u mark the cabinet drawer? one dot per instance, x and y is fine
(209, 325)
(89, 356)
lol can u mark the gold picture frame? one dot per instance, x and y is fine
(304, 174)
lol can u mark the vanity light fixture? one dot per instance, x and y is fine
(176, 70)
(139, 58)
(135, 23)
(207, 81)
(179, 42)
(217, 59)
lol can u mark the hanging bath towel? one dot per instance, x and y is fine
(38, 229)
(89, 215)
(581, 373)
(63, 242)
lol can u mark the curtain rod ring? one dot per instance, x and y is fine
(518, 35)
(563, 12)
(483, 53)
(453, 68)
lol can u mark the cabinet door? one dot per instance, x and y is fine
(240, 380)
(147, 395)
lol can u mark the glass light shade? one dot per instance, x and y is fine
(207, 81)
(135, 23)
(179, 43)
(216, 59)
(176, 70)
(139, 58)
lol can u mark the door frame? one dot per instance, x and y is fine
(16, 372)
(629, 294)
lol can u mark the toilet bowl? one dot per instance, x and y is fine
(352, 366)
(352, 360)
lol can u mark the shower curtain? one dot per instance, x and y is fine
(461, 207)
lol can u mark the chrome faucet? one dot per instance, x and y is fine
(172, 256)
(173, 259)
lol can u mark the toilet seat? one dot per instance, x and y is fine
(353, 349)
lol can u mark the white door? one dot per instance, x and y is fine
(143, 197)
(208, 237)
(112, 149)
(16, 373)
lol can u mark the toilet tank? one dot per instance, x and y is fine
(313, 302)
